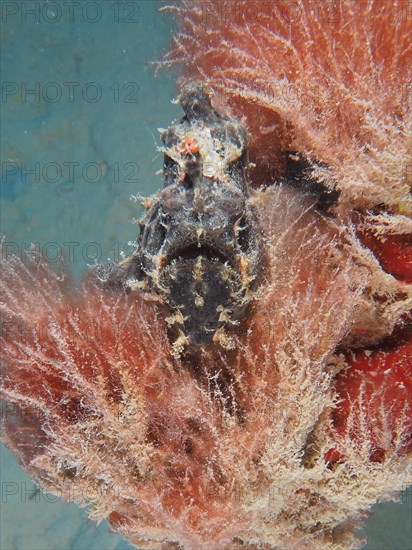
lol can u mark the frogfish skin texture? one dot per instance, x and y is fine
(284, 439)
(284, 432)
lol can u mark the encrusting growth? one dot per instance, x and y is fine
(278, 416)
(328, 79)
(252, 443)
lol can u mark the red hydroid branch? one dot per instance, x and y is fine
(271, 441)
(329, 79)
(289, 438)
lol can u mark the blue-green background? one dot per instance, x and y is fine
(108, 44)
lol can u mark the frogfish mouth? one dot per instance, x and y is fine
(199, 245)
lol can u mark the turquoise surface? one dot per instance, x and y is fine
(80, 112)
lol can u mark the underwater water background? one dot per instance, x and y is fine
(80, 113)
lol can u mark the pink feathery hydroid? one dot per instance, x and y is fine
(290, 438)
